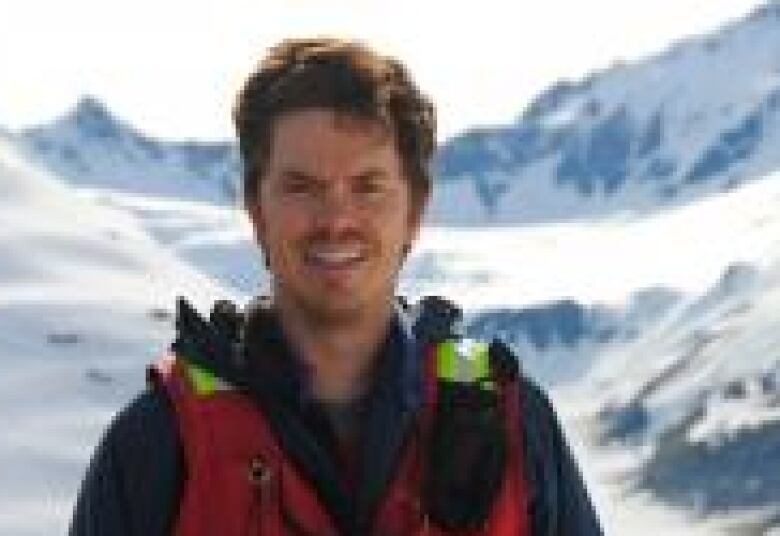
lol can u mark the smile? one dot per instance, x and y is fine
(334, 258)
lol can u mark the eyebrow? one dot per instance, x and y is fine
(369, 174)
(296, 174)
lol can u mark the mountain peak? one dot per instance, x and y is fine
(92, 117)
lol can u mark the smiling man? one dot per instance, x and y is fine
(335, 215)
(331, 407)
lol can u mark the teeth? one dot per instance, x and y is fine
(335, 256)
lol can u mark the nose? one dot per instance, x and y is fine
(337, 210)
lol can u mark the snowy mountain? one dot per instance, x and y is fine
(90, 146)
(700, 118)
(694, 399)
(86, 297)
(696, 403)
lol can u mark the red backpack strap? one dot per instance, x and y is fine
(513, 514)
(229, 453)
(168, 374)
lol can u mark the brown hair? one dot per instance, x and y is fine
(345, 76)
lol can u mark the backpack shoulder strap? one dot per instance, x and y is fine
(437, 325)
(434, 319)
(469, 432)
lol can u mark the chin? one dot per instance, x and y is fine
(339, 308)
(335, 311)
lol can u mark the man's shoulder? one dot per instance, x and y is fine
(145, 426)
(135, 476)
(539, 417)
(534, 397)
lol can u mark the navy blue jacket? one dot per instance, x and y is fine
(135, 478)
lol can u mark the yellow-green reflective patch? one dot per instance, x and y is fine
(203, 382)
(464, 361)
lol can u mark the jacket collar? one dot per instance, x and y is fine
(272, 360)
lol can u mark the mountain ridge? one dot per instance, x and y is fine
(698, 118)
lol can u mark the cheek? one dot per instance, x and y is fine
(396, 235)
(282, 225)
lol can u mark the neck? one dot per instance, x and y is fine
(339, 356)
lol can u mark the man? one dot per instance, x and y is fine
(330, 407)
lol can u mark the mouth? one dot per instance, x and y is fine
(335, 258)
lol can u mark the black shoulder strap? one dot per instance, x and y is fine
(466, 447)
(213, 344)
(435, 319)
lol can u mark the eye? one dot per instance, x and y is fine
(369, 186)
(296, 186)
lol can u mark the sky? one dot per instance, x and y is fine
(172, 68)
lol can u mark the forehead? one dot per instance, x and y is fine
(324, 138)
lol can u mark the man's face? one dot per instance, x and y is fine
(334, 213)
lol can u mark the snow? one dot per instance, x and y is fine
(603, 260)
(701, 117)
(725, 419)
(90, 147)
(77, 284)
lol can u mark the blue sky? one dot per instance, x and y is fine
(173, 67)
